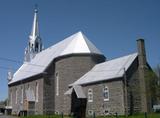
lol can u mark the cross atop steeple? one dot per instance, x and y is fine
(35, 42)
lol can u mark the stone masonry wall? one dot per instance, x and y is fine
(70, 69)
(113, 105)
(20, 105)
(48, 101)
(134, 100)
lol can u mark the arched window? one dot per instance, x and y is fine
(21, 94)
(90, 95)
(11, 98)
(106, 93)
(37, 95)
(90, 112)
(36, 47)
(16, 95)
(28, 87)
(57, 83)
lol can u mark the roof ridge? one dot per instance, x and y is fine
(88, 42)
(120, 57)
(61, 48)
(108, 70)
(123, 67)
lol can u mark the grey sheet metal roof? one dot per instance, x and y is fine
(107, 70)
(78, 90)
(75, 44)
(69, 91)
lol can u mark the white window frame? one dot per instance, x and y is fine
(56, 112)
(106, 90)
(28, 87)
(90, 95)
(90, 112)
(22, 95)
(11, 98)
(57, 83)
(16, 95)
(37, 90)
(106, 112)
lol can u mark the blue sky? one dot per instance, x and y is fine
(112, 25)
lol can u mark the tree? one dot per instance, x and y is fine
(153, 85)
(157, 71)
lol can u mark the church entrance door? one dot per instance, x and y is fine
(78, 106)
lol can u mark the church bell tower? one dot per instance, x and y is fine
(35, 41)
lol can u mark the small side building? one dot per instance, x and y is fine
(115, 86)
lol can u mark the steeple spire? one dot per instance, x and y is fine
(35, 42)
(35, 30)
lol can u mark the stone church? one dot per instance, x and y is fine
(74, 77)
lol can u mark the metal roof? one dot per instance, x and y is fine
(75, 44)
(108, 70)
(78, 90)
(69, 91)
(35, 28)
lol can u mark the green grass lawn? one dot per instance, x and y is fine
(143, 116)
(134, 116)
(148, 116)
